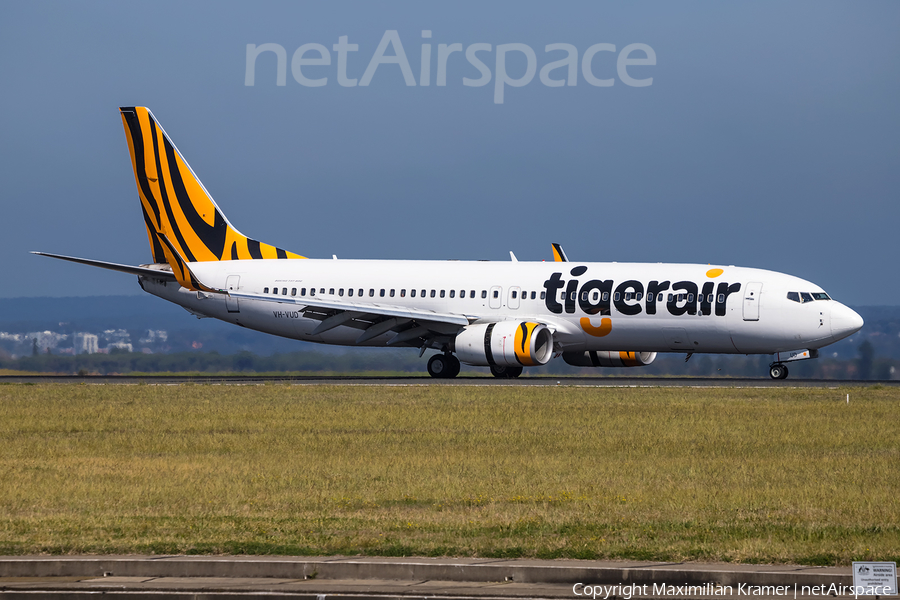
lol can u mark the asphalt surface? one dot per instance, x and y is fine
(462, 380)
(358, 578)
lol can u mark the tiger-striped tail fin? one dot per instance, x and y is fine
(175, 203)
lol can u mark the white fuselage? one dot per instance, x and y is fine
(648, 307)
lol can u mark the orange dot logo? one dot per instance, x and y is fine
(714, 273)
(604, 329)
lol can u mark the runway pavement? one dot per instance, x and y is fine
(336, 578)
(424, 380)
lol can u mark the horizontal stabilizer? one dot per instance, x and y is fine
(160, 272)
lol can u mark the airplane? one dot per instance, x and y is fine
(501, 315)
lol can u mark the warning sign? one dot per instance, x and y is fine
(875, 578)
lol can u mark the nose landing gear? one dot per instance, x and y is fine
(778, 371)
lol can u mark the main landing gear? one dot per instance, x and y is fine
(443, 366)
(446, 366)
(505, 372)
(778, 371)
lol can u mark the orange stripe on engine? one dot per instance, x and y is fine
(629, 359)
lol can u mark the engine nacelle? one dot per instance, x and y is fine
(507, 343)
(596, 358)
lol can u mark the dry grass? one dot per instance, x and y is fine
(748, 475)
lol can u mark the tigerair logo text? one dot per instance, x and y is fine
(632, 297)
(601, 65)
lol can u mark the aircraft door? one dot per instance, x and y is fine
(494, 299)
(232, 284)
(514, 294)
(751, 301)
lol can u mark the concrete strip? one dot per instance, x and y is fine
(563, 572)
(222, 588)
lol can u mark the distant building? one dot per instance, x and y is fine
(88, 343)
(120, 346)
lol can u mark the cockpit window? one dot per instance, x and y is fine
(803, 297)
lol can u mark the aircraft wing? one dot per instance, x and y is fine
(372, 318)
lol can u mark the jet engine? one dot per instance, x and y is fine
(507, 343)
(596, 358)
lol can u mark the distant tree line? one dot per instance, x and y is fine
(866, 366)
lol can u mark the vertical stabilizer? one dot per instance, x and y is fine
(175, 203)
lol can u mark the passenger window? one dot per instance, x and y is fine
(627, 295)
(423, 293)
(605, 296)
(412, 293)
(403, 293)
(275, 291)
(392, 293)
(661, 297)
(371, 292)
(584, 296)
(350, 292)
(453, 293)
(321, 290)
(806, 297)
(496, 294)
(671, 297)
(302, 291)
(543, 295)
(331, 291)
(638, 296)
(265, 290)
(472, 294)
(381, 293)
(341, 292)
(721, 299)
(360, 292)
(433, 293)
(533, 295)
(616, 297)
(681, 297)
(312, 291)
(484, 293)
(595, 296)
(462, 293)
(293, 291)
(514, 294)
(284, 291)
(442, 293)
(690, 297)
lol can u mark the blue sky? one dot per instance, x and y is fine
(769, 137)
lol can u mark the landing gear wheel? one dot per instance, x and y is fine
(454, 366)
(505, 372)
(778, 372)
(443, 366)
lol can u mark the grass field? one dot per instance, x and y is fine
(743, 475)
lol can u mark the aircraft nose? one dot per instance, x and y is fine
(844, 321)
